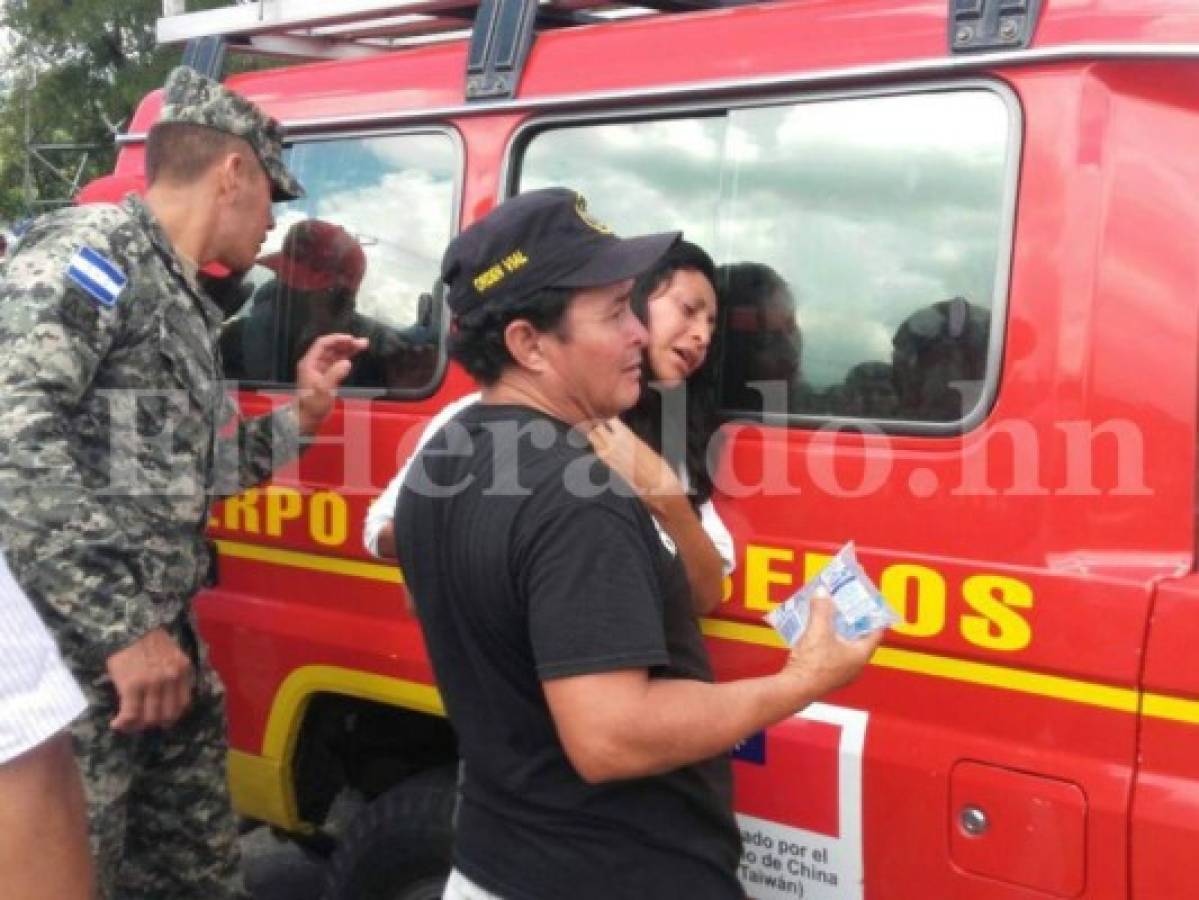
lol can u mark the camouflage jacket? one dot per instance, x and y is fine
(111, 402)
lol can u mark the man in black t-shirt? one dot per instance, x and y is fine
(558, 622)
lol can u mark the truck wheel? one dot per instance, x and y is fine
(399, 847)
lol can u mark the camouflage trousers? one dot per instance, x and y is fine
(161, 822)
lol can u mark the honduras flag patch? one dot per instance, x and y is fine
(96, 275)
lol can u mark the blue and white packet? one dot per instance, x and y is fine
(861, 609)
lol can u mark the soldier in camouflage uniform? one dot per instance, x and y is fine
(110, 404)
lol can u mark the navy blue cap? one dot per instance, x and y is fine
(544, 238)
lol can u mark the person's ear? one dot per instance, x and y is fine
(230, 172)
(524, 343)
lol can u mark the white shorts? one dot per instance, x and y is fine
(38, 696)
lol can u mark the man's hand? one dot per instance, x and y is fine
(153, 679)
(824, 661)
(634, 461)
(319, 372)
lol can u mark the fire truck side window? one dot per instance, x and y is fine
(862, 241)
(359, 254)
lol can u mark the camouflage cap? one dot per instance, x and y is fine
(192, 98)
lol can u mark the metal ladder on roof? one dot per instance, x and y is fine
(501, 31)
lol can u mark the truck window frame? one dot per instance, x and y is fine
(527, 130)
(435, 287)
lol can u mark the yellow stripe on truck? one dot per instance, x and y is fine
(313, 562)
(1004, 677)
(1176, 709)
(1127, 700)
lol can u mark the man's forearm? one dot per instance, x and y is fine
(666, 723)
(682, 721)
(624, 724)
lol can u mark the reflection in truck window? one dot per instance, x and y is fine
(357, 255)
(313, 291)
(761, 368)
(638, 177)
(870, 209)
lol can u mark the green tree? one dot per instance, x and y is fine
(73, 73)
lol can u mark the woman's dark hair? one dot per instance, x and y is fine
(477, 336)
(649, 419)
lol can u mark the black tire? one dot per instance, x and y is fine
(399, 847)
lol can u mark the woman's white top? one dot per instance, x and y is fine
(383, 508)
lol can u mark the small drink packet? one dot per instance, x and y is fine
(861, 609)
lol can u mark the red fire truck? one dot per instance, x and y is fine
(977, 359)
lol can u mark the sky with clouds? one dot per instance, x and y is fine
(871, 208)
(395, 195)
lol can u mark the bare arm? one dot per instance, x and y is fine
(378, 528)
(663, 495)
(623, 724)
(44, 852)
(386, 546)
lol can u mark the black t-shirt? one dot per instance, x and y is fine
(518, 578)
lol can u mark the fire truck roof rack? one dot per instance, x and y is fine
(501, 31)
